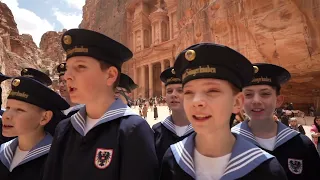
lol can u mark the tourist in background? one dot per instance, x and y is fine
(155, 112)
(315, 132)
(284, 119)
(293, 124)
(145, 111)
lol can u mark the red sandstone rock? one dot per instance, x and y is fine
(20, 51)
(283, 32)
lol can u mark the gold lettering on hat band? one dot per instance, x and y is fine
(19, 94)
(28, 75)
(77, 49)
(173, 80)
(199, 70)
(261, 79)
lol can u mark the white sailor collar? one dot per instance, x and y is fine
(245, 157)
(116, 110)
(168, 123)
(284, 133)
(8, 149)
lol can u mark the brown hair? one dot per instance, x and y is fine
(104, 66)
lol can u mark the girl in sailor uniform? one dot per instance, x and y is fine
(105, 139)
(212, 77)
(176, 126)
(28, 114)
(295, 151)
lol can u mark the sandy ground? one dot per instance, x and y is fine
(163, 112)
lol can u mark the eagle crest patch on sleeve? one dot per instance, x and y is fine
(295, 165)
(103, 158)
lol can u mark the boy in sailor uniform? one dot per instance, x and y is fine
(2, 78)
(28, 114)
(295, 151)
(74, 108)
(176, 126)
(125, 87)
(40, 77)
(212, 78)
(105, 139)
(2, 138)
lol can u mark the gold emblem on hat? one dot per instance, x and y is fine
(256, 69)
(25, 70)
(61, 65)
(67, 39)
(16, 82)
(172, 71)
(190, 55)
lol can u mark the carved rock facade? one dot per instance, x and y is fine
(282, 32)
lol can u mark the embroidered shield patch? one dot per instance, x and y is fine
(295, 165)
(103, 158)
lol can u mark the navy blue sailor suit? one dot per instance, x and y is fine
(165, 135)
(31, 167)
(72, 110)
(119, 147)
(247, 162)
(295, 151)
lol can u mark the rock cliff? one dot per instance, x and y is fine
(282, 32)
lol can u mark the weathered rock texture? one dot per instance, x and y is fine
(20, 51)
(282, 32)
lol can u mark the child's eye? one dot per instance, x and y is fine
(213, 91)
(81, 66)
(21, 110)
(187, 92)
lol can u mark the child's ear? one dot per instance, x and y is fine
(112, 75)
(47, 116)
(280, 100)
(238, 103)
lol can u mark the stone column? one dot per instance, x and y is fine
(160, 32)
(163, 89)
(135, 79)
(171, 62)
(134, 42)
(142, 39)
(143, 82)
(152, 34)
(150, 80)
(170, 25)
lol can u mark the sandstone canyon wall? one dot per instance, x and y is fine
(283, 32)
(20, 51)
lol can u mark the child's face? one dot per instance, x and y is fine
(293, 122)
(63, 87)
(260, 101)
(174, 96)
(21, 118)
(86, 81)
(209, 104)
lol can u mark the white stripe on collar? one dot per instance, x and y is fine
(8, 149)
(117, 109)
(168, 123)
(284, 133)
(244, 157)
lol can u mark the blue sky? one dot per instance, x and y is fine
(36, 17)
